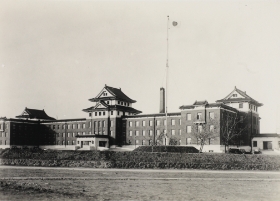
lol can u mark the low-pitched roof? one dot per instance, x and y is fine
(35, 114)
(267, 135)
(208, 105)
(117, 93)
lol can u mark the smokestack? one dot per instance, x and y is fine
(162, 100)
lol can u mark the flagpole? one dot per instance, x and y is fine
(166, 78)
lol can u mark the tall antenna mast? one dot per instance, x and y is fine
(167, 66)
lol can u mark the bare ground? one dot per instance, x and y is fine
(84, 184)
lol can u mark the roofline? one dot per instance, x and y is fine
(64, 120)
(154, 115)
(240, 100)
(111, 98)
(92, 135)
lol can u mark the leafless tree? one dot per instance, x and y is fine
(233, 125)
(205, 131)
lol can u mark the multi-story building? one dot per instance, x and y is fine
(114, 122)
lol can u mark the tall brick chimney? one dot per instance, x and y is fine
(162, 100)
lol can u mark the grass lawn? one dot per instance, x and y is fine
(67, 184)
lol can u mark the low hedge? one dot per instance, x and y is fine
(173, 149)
(97, 159)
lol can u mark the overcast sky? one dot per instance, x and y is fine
(55, 55)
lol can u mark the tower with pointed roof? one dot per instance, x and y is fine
(241, 101)
(111, 105)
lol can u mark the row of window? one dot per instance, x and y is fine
(173, 132)
(69, 126)
(4, 142)
(158, 122)
(158, 142)
(3, 126)
(3, 134)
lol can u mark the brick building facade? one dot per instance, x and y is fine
(114, 122)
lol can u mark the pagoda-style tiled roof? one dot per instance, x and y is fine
(113, 107)
(204, 102)
(245, 98)
(34, 114)
(117, 94)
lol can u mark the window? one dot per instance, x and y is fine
(143, 123)
(90, 114)
(143, 142)
(108, 102)
(137, 123)
(78, 126)
(241, 119)
(180, 132)
(68, 126)
(84, 125)
(118, 112)
(63, 142)
(199, 129)
(137, 133)
(68, 134)
(130, 124)
(73, 126)
(143, 133)
(150, 132)
(158, 132)
(157, 122)
(130, 133)
(103, 113)
(189, 129)
(211, 128)
(137, 141)
(180, 141)
(180, 122)
(189, 116)
(172, 132)
(121, 103)
(254, 120)
(95, 114)
(241, 105)
(172, 122)
(73, 135)
(111, 123)
(150, 142)
(90, 124)
(73, 142)
(199, 116)
(103, 123)
(255, 143)
(111, 133)
(189, 140)
(68, 142)
(53, 126)
(112, 112)
(99, 113)
(58, 142)
(211, 115)
(63, 135)
(164, 122)
(84, 133)
(234, 95)
(151, 123)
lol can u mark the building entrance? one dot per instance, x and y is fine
(267, 145)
